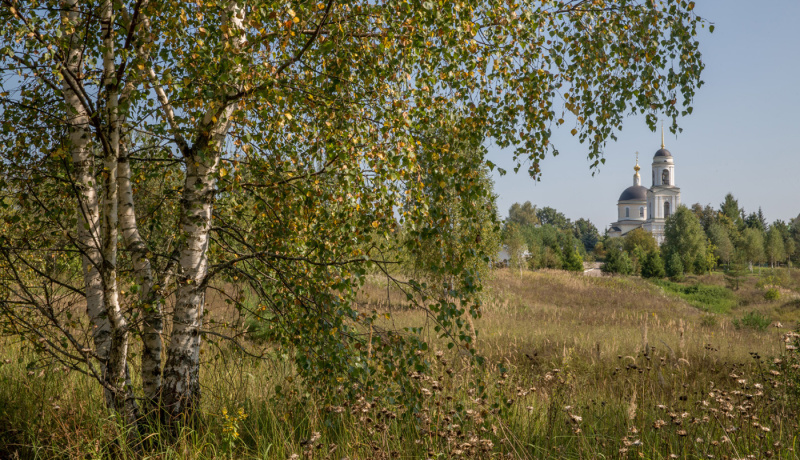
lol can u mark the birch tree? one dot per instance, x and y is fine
(163, 147)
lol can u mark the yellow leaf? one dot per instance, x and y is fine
(222, 172)
(574, 131)
(288, 115)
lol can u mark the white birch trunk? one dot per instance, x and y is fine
(181, 390)
(150, 296)
(88, 209)
(152, 315)
(120, 395)
(181, 386)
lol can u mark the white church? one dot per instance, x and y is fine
(640, 207)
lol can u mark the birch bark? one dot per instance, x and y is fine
(150, 297)
(88, 209)
(151, 301)
(181, 386)
(119, 394)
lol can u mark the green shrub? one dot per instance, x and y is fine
(772, 294)
(752, 320)
(716, 299)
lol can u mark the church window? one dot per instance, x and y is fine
(627, 212)
(641, 211)
(666, 209)
(665, 177)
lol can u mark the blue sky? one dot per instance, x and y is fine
(743, 137)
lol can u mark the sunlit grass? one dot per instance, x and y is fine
(610, 367)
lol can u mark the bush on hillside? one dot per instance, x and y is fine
(706, 297)
(752, 320)
(772, 294)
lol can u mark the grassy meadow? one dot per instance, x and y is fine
(585, 367)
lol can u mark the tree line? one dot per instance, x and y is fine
(546, 238)
(697, 239)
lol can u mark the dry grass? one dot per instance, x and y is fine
(585, 367)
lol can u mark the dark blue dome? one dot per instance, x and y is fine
(634, 193)
(662, 153)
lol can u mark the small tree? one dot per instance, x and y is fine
(730, 208)
(548, 215)
(653, 266)
(774, 246)
(618, 261)
(700, 264)
(674, 268)
(721, 241)
(735, 273)
(640, 238)
(637, 258)
(711, 256)
(572, 259)
(753, 246)
(684, 236)
(587, 233)
(517, 249)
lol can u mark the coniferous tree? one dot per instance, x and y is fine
(572, 259)
(653, 266)
(730, 208)
(674, 267)
(587, 233)
(618, 261)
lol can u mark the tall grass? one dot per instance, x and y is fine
(582, 367)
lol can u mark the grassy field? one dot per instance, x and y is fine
(610, 367)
